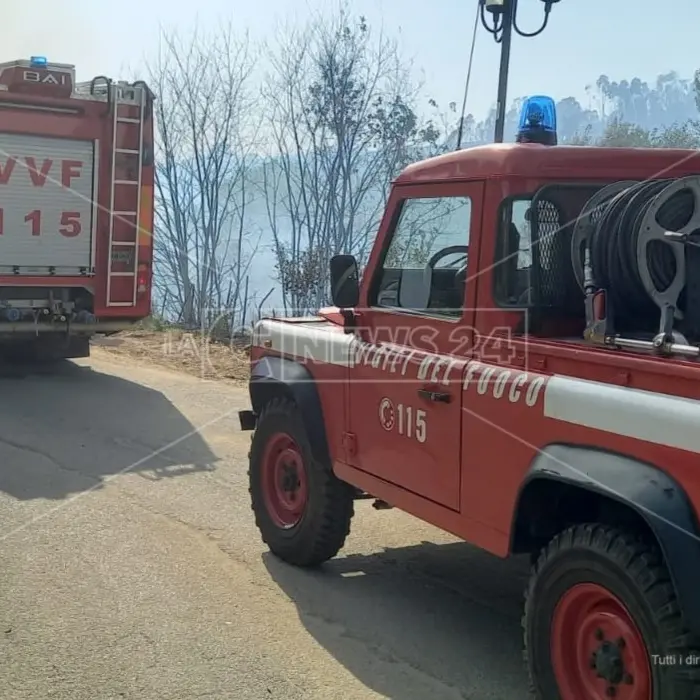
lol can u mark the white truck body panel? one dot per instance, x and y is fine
(48, 205)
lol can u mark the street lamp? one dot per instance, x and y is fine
(503, 16)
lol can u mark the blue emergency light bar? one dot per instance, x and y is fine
(38, 61)
(538, 121)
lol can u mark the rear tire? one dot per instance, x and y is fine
(303, 511)
(601, 615)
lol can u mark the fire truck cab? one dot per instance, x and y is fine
(76, 207)
(516, 364)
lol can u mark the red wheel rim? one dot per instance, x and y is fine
(284, 482)
(597, 649)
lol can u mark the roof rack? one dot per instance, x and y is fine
(58, 79)
(99, 89)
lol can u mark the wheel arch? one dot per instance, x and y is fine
(569, 484)
(275, 377)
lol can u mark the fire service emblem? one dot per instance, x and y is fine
(387, 415)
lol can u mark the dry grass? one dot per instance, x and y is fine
(182, 351)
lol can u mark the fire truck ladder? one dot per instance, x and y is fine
(125, 96)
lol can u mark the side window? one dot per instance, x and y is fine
(520, 219)
(514, 253)
(425, 266)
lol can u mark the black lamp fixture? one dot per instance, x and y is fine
(503, 22)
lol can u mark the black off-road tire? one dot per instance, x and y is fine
(631, 569)
(325, 523)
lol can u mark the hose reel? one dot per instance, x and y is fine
(636, 242)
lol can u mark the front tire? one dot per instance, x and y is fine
(303, 511)
(602, 621)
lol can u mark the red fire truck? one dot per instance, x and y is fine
(518, 366)
(76, 208)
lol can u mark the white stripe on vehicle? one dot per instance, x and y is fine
(643, 415)
(313, 342)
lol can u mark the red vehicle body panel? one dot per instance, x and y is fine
(467, 475)
(510, 162)
(500, 437)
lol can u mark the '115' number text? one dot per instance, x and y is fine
(411, 422)
(70, 225)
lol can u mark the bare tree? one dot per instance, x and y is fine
(342, 124)
(205, 136)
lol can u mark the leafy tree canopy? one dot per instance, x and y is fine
(617, 113)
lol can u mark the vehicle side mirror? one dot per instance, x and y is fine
(345, 283)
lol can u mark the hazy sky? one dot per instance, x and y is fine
(623, 38)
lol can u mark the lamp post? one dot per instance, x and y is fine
(503, 24)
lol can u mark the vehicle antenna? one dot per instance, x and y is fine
(466, 85)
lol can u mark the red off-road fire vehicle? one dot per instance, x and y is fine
(76, 207)
(518, 366)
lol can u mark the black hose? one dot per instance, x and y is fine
(614, 249)
(613, 244)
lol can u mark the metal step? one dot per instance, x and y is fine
(122, 243)
(128, 120)
(130, 151)
(126, 182)
(124, 213)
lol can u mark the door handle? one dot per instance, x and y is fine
(438, 396)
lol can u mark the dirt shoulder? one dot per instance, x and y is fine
(181, 351)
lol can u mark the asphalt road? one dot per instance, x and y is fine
(131, 567)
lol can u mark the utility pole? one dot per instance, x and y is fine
(503, 14)
(506, 39)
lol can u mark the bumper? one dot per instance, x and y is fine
(247, 419)
(27, 327)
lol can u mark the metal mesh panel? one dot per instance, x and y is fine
(548, 225)
(555, 210)
(548, 275)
